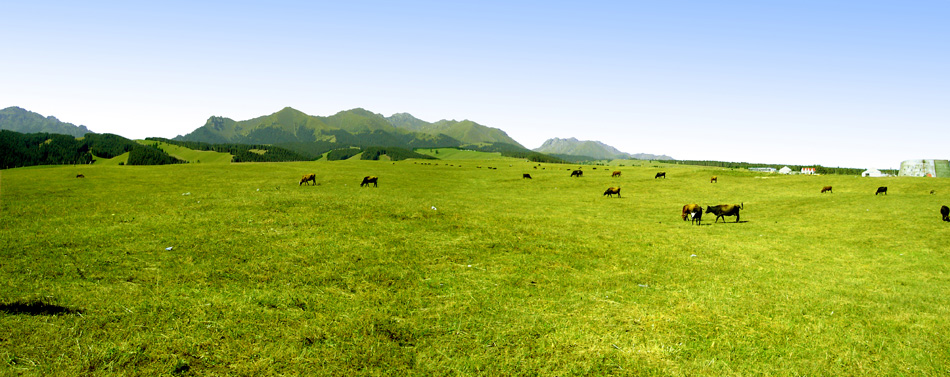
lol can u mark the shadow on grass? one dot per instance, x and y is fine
(35, 308)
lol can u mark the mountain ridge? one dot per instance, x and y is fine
(17, 119)
(591, 148)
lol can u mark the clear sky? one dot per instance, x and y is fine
(838, 83)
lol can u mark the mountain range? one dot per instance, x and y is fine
(24, 121)
(593, 149)
(356, 127)
(313, 135)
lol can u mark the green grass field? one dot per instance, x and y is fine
(202, 269)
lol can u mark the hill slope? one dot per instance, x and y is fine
(24, 121)
(594, 149)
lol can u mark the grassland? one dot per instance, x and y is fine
(202, 269)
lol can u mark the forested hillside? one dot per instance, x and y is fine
(19, 149)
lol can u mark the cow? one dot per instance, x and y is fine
(723, 210)
(369, 179)
(660, 174)
(945, 212)
(80, 175)
(826, 188)
(308, 178)
(933, 192)
(577, 173)
(526, 176)
(880, 190)
(611, 191)
(714, 179)
(694, 212)
(615, 174)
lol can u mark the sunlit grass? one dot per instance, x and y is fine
(235, 269)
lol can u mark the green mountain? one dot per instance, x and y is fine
(466, 131)
(313, 135)
(592, 149)
(23, 121)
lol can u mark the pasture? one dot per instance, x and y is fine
(235, 269)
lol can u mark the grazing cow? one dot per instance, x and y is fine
(714, 179)
(933, 192)
(723, 210)
(826, 188)
(577, 173)
(80, 175)
(615, 174)
(611, 191)
(880, 190)
(369, 179)
(694, 212)
(526, 176)
(308, 178)
(945, 212)
(660, 174)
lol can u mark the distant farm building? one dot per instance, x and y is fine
(925, 168)
(785, 170)
(808, 170)
(872, 173)
(763, 170)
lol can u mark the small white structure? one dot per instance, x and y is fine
(808, 170)
(785, 170)
(872, 172)
(763, 170)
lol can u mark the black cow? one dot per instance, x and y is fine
(660, 174)
(526, 176)
(945, 212)
(369, 179)
(611, 191)
(723, 210)
(880, 190)
(577, 173)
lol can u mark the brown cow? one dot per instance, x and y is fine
(660, 174)
(880, 190)
(615, 174)
(369, 179)
(694, 212)
(611, 191)
(714, 179)
(826, 188)
(723, 210)
(945, 212)
(308, 178)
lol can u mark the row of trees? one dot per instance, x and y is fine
(745, 165)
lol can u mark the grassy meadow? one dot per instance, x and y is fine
(235, 269)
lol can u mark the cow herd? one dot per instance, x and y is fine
(692, 212)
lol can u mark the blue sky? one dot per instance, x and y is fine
(848, 83)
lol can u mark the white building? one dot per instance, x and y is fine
(808, 170)
(872, 172)
(785, 170)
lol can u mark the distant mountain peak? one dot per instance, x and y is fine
(590, 148)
